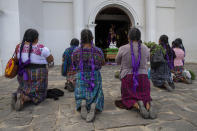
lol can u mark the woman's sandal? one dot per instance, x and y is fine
(91, 114)
(83, 110)
(144, 113)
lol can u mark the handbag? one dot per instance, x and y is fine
(11, 69)
(156, 59)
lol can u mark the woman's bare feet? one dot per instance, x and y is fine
(83, 110)
(19, 102)
(91, 114)
(143, 111)
(152, 111)
(136, 106)
(147, 106)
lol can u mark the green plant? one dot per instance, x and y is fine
(193, 76)
(111, 49)
(154, 47)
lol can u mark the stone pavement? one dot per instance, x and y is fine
(177, 111)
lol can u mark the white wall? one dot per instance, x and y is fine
(58, 27)
(186, 27)
(31, 16)
(139, 8)
(165, 19)
(9, 32)
(54, 21)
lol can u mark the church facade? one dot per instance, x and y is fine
(58, 21)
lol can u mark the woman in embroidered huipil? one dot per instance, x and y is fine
(33, 73)
(87, 61)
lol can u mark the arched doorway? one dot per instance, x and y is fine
(108, 19)
(120, 4)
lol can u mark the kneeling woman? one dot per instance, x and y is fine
(87, 61)
(67, 68)
(179, 74)
(161, 68)
(135, 86)
(33, 73)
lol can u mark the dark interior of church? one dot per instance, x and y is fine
(108, 18)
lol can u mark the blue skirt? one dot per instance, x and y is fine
(82, 92)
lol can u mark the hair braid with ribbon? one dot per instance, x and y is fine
(135, 64)
(81, 66)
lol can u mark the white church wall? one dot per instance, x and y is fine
(165, 19)
(58, 27)
(186, 27)
(31, 16)
(138, 6)
(9, 30)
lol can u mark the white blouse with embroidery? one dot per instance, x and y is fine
(38, 55)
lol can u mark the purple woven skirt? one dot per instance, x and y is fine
(129, 97)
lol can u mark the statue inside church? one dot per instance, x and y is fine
(112, 37)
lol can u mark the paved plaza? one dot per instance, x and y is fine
(177, 111)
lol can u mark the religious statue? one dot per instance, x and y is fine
(112, 37)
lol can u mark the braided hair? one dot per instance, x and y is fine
(178, 43)
(135, 35)
(31, 35)
(170, 55)
(165, 44)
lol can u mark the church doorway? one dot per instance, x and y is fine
(112, 25)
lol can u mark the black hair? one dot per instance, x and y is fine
(179, 40)
(163, 39)
(74, 42)
(134, 34)
(179, 44)
(31, 35)
(165, 44)
(175, 44)
(86, 36)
